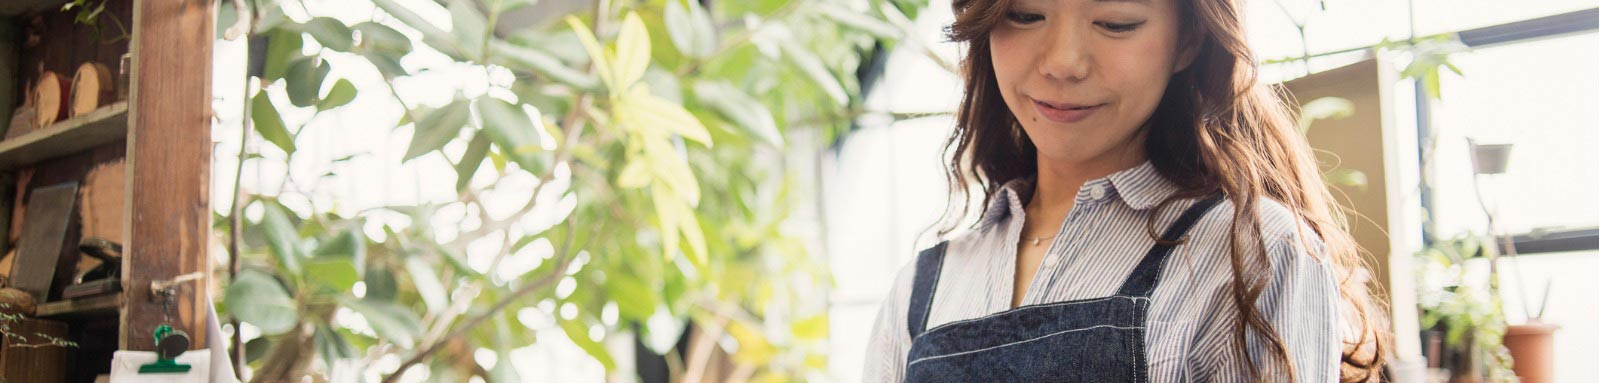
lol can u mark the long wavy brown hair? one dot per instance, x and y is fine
(1216, 129)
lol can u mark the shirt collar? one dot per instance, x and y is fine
(1140, 187)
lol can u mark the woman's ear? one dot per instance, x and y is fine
(1189, 47)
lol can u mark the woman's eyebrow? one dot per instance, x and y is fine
(1141, 2)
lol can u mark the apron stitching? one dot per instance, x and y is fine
(914, 362)
(1037, 306)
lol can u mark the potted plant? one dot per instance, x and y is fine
(1462, 322)
(1531, 344)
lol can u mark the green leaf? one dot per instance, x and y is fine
(387, 63)
(426, 280)
(331, 33)
(511, 129)
(256, 348)
(382, 38)
(410, 19)
(467, 25)
(634, 175)
(578, 332)
(1347, 177)
(282, 237)
(283, 48)
(860, 21)
(380, 284)
(305, 80)
(814, 69)
(642, 110)
(691, 28)
(333, 273)
(342, 93)
(671, 169)
(437, 128)
(518, 57)
(340, 262)
(740, 108)
(477, 149)
(635, 299)
(391, 321)
(598, 58)
(633, 52)
(256, 298)
(264, 116)
(349, 245)
(331, 346)
(1325, 108)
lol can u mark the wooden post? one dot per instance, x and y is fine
(168, 218)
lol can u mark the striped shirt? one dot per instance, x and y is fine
(1191, 327)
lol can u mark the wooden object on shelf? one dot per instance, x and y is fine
(50, 99)
(13, 302)
(22, 118)
(40, 250)
(31, 358)
(99, 305)
(92, 87)
(92, 288)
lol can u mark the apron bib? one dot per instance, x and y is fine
(1088, 340)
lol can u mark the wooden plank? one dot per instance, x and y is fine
(169, 168)
(74, 135)
(86, 306)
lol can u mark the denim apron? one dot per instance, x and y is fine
(1089, 340)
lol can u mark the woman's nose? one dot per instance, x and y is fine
(1067, 56)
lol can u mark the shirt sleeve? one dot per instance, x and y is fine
(1302, 306)
(891, 341)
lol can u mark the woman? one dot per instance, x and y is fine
(1151, 213)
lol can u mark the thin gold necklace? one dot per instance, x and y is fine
(1035, 240)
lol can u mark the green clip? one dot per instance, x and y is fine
(164, 364)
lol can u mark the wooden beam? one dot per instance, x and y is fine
(168, 216)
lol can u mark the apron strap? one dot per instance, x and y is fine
(1145, 276)
(929, 264)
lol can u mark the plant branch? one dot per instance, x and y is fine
(554, 275)
(562, 156)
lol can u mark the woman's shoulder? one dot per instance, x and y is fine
(1281, 229)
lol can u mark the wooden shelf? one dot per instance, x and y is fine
(105, 304)
(23, 7)
(107, 124)
(18, 7)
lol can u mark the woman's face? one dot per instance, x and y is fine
(1082, 76)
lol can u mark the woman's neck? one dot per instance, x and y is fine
(1057, 183)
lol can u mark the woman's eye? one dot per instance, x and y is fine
(1120, 27)
(1024, 18)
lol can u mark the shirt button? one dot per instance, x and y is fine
(1098, 192)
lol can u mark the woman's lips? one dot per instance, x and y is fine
(1065, 113)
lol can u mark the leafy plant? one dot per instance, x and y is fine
(89, 12)
(654, 134)
(1466, 310)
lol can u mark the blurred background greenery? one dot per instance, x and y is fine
(644, 140)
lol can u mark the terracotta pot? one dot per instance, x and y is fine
(1533, 352)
